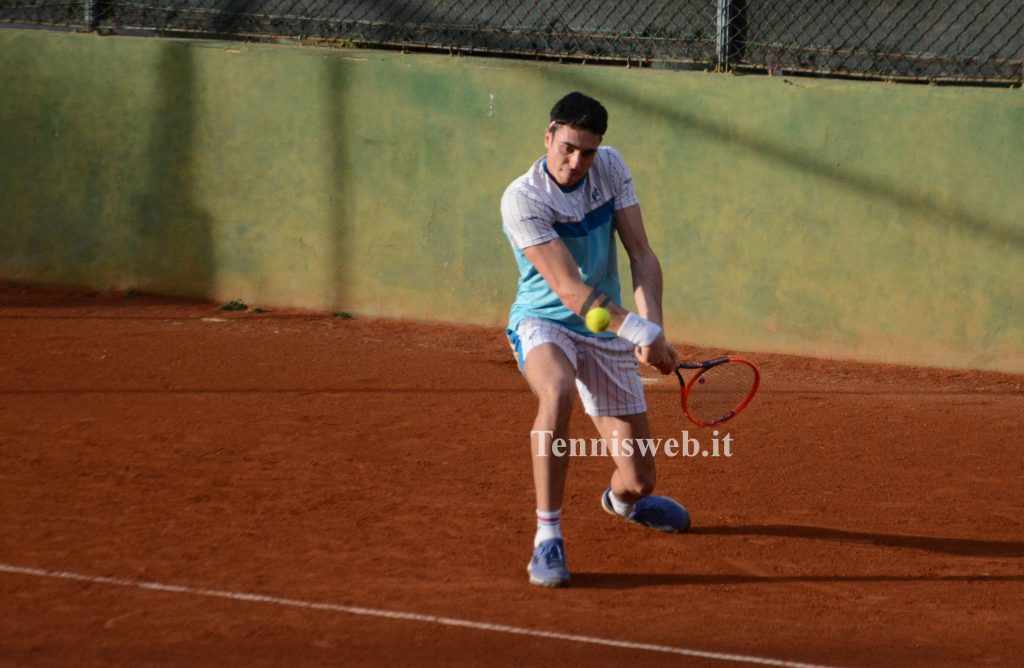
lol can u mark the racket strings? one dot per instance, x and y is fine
(718, 392)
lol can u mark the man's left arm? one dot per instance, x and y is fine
(647, 285)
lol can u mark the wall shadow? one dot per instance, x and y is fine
(171, 244)
(337, 133)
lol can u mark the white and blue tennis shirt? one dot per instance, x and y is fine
(535, 209)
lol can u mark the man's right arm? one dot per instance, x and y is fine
(554, 262)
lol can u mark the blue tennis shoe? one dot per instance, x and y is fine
(547, 567)
(654, 512)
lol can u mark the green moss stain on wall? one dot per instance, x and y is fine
(855, 219)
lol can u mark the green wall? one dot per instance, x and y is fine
(863, 220)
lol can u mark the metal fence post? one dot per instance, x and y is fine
(90, 14)
(725, 14)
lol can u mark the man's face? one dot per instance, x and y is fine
(571, 151)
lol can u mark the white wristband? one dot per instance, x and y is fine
(638, 331)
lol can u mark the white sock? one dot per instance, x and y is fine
(618, 505)
(548, 526)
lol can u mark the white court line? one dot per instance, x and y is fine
(404, 616)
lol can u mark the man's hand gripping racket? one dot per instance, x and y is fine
(720, 389)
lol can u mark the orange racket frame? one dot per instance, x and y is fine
(702, 367)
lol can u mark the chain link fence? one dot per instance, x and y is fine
(923, 40)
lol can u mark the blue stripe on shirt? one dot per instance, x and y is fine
(593, 220)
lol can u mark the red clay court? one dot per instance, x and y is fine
(186, 486)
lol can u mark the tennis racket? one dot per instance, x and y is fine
(721, 388)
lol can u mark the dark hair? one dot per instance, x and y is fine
(580, 111)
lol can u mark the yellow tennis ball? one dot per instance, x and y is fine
(598, 319)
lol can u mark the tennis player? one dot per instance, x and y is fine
(562, 218)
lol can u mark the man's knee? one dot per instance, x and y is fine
(558, 395)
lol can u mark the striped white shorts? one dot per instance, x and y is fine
(606, 370)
